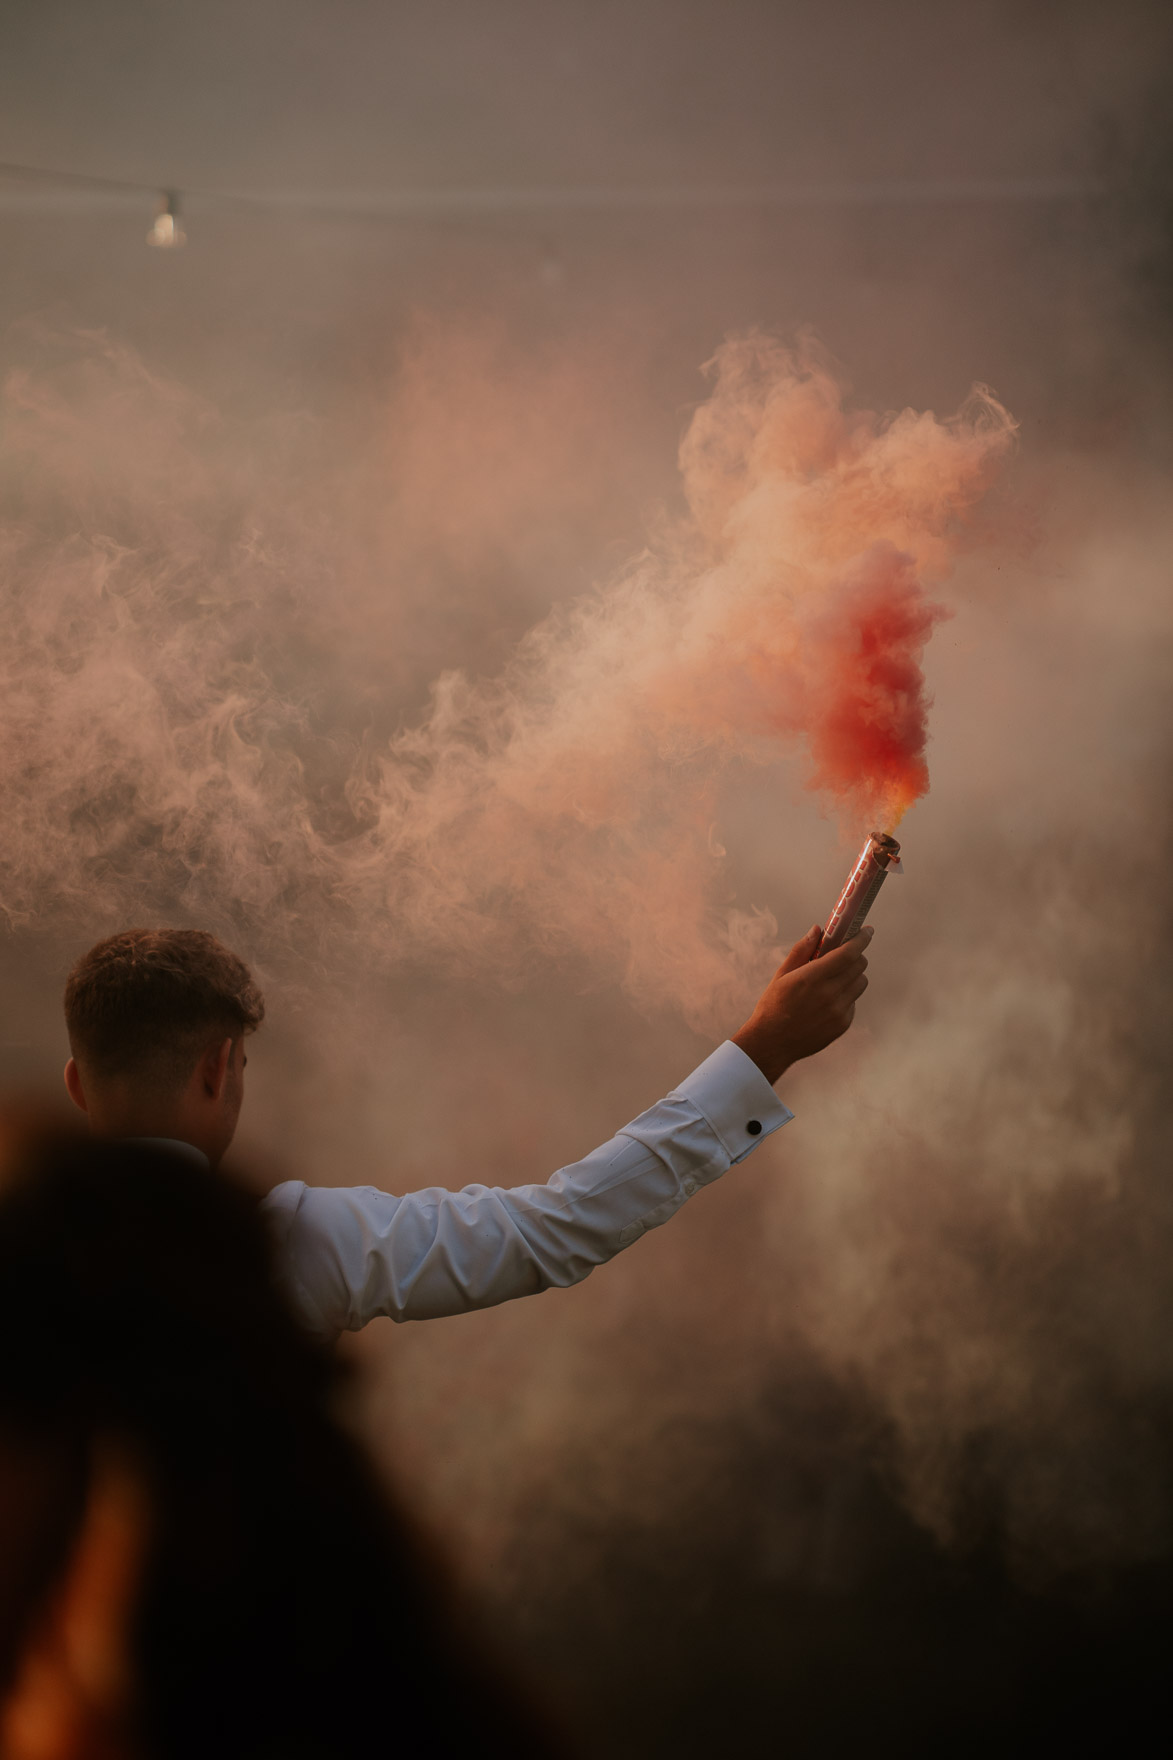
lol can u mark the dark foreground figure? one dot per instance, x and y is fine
(194, 1556)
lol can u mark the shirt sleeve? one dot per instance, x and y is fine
(349, 1255)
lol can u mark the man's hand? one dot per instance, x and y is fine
(807, 1003)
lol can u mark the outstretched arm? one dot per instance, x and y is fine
(350, 1255)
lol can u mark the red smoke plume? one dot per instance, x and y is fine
(866, 708)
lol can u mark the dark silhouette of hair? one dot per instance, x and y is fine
(286, 1608)
(150, 1000)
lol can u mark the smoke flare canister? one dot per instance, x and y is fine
(879, 857)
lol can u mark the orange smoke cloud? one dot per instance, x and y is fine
(175, 726)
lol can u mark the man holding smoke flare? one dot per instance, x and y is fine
(157, 1021)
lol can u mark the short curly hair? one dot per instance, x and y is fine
(149, 1001)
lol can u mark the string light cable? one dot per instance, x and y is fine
(41, 189)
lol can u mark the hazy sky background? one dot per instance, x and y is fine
(259, 494)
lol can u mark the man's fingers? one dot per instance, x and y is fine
(802, 952)
(842, 975)
(856, 990)
(843, 955)
(862, 941)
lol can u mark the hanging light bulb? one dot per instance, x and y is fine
(166, 232)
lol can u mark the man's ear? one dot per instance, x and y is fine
(73, 1085)
(214, 1069)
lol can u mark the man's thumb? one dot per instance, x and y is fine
(803, 951)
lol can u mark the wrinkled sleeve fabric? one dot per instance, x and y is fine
(350, 1255)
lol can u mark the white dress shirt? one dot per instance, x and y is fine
(353, 1253)
(350, 1254)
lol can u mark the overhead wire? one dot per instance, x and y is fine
(404, 203)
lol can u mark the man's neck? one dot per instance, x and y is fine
(119, 1109)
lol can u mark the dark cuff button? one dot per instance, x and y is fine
(754, 1127)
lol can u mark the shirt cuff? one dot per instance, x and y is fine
(735, 1098)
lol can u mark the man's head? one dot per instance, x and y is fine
(157, 1020)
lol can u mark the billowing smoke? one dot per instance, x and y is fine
(827, 526)
(172, 632)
